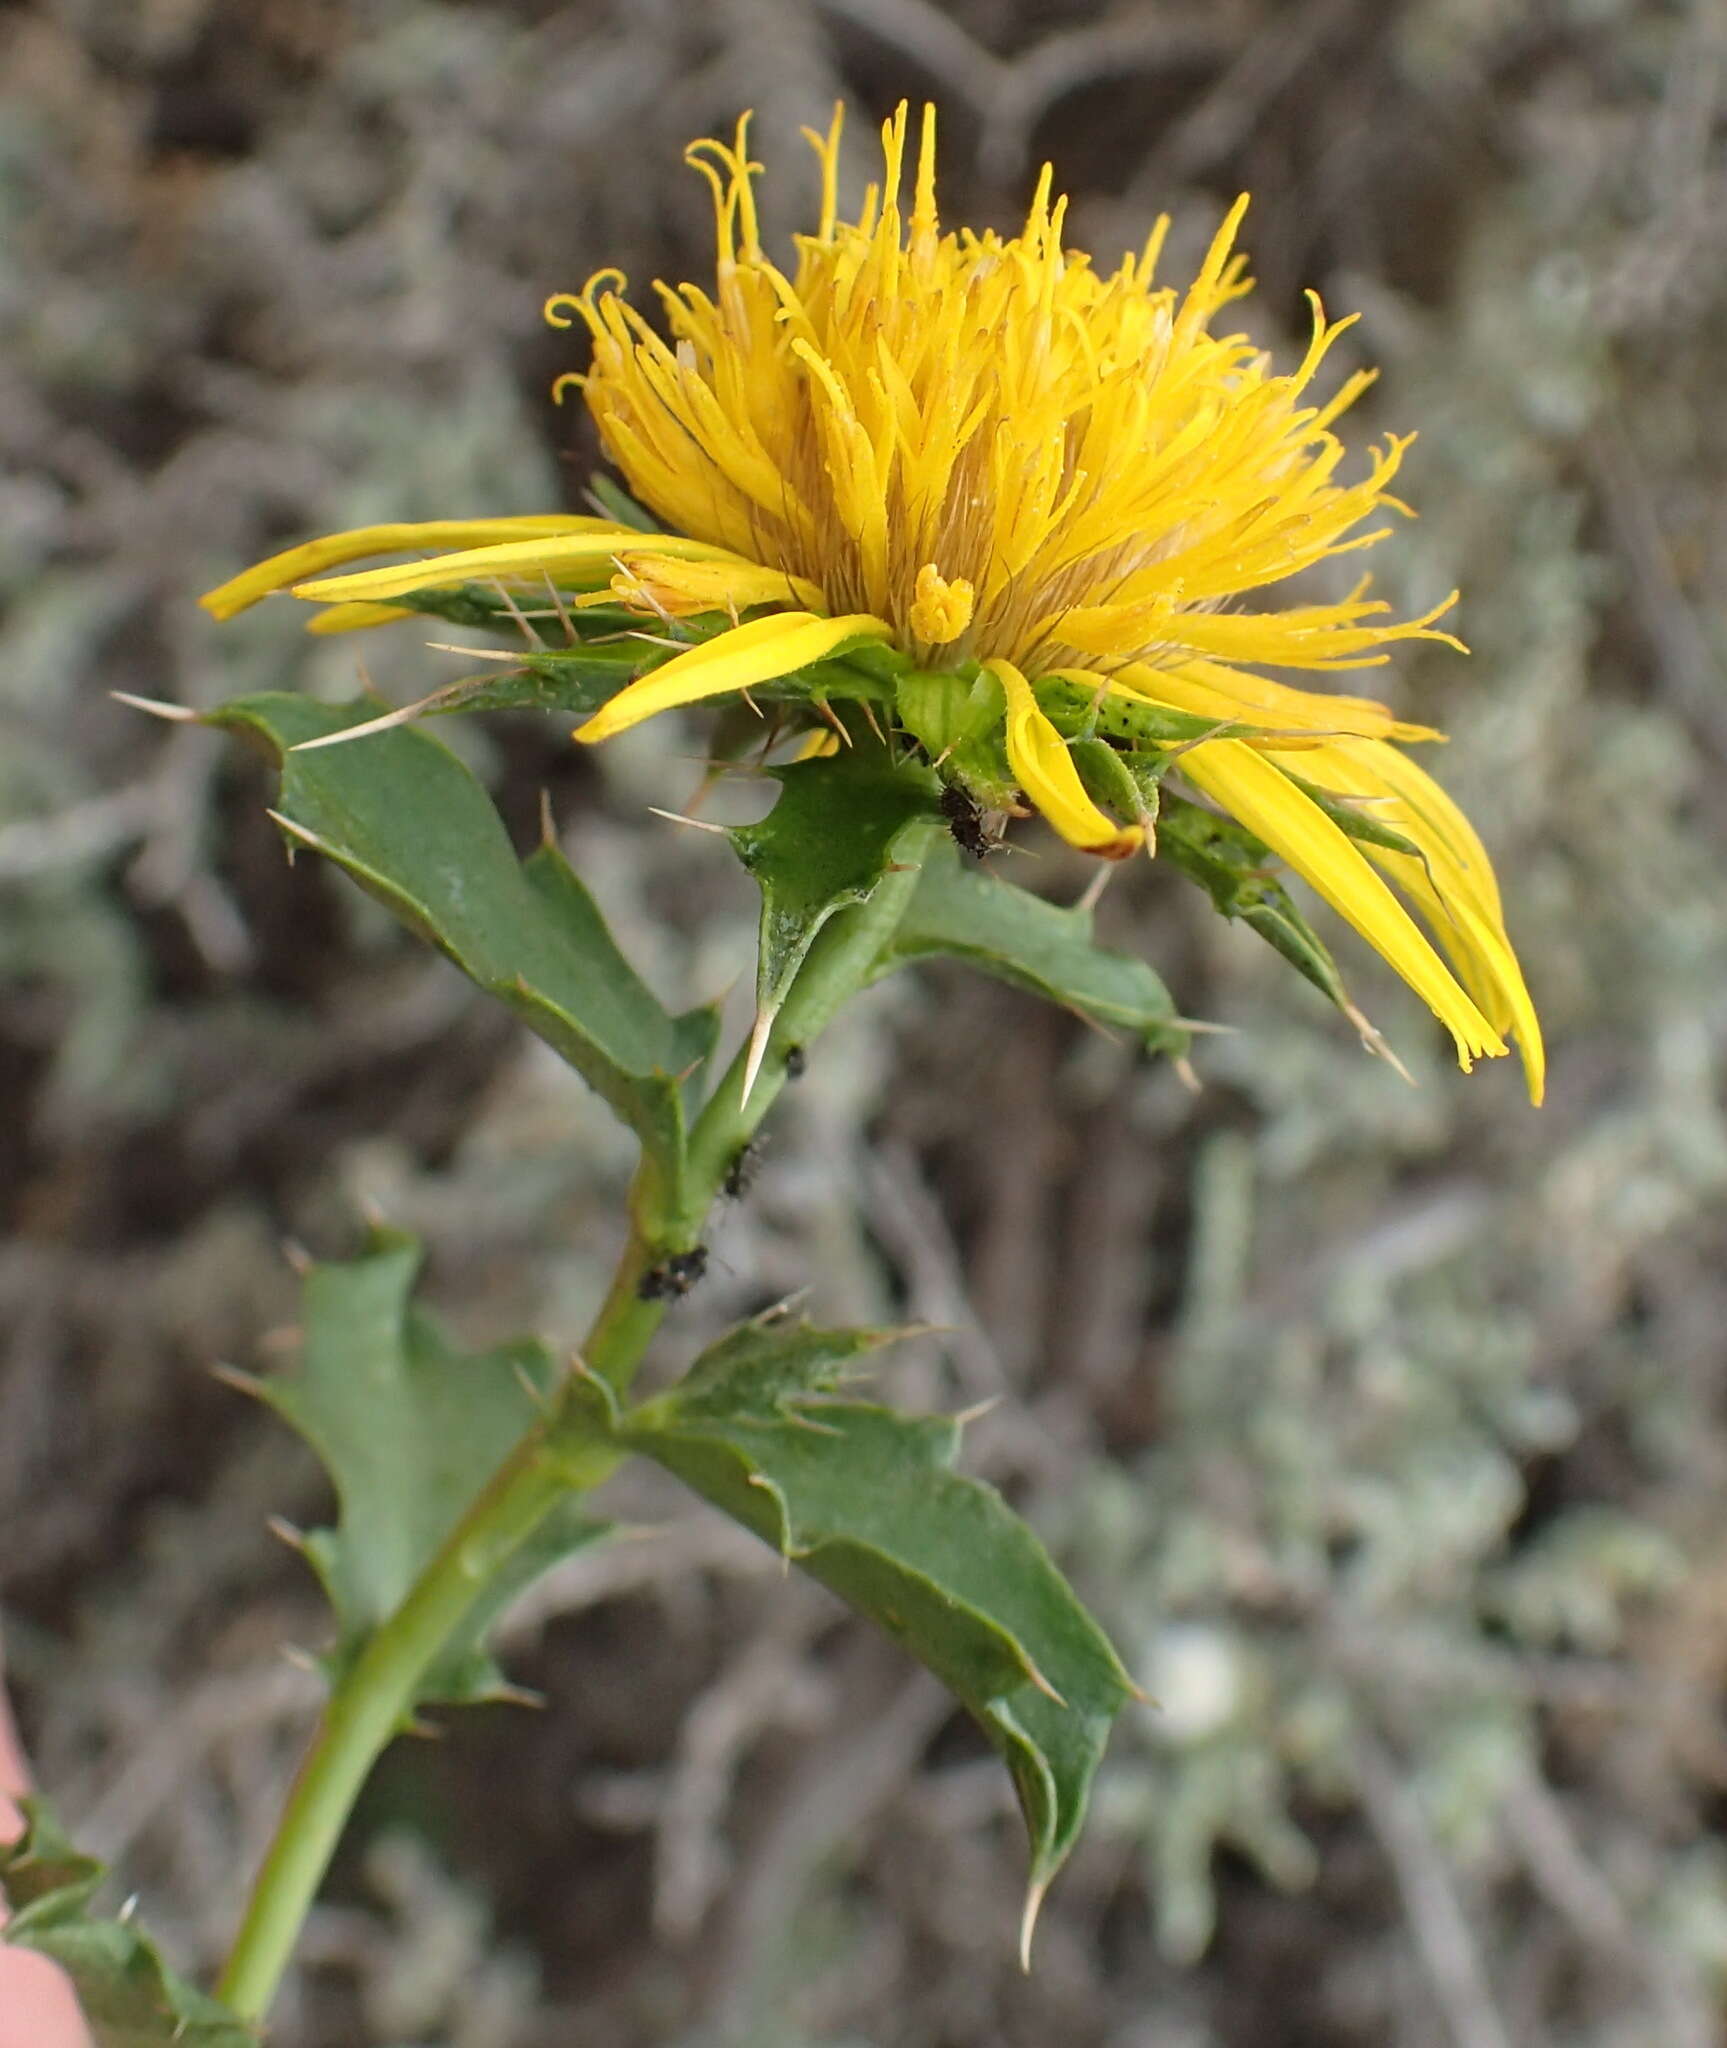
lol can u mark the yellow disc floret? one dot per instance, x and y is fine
(940, 610)
(1079, 450)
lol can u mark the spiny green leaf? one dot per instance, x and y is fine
(46, 1878)
(946, 709)
(957, 718)
(413, 826)
(524, 615)
(867, 1501)
(129, 1996)
(868, 671)
(1353, 818)
(1076, 711)
(994, 925)
(570, 683)
(825, 844)
(410, 1429)
(574, 682)
(1117, 780)
(572, 660)
(612, 648)
(762, 1366)
(1234, 868)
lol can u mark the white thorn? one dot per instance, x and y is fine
(698, 824)
(1094, 889)
(1376, 1042)
(1028, 1922)
(295, 831)
(360, 732)
(475, 653)
(175, 714)
(760, 1033)
(963, 1418)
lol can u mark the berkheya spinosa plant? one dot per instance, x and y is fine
(947, 529)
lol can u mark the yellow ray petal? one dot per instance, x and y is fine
(1211, 689)
(1311, 636)
(657, 582)
(1304, 636)
(1038, 755)
(1452, 883)
(749, 654)
(581, 556)
(1253, 790)
(1484, 959)
(295, 564)
(1436, 811)
(356, 618)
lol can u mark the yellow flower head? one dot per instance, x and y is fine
(1031, 486)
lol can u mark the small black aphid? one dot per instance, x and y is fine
(796, 1063)
(674, 1276)
(741, 1174)
(965, 822)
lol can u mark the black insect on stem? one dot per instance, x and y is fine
(966, 822)
(673, 1277)
(741, 1174)
(797, 1063)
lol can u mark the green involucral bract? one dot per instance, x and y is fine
(1234, 869)
(827, 842)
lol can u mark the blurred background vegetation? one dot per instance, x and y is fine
(1384, 1425)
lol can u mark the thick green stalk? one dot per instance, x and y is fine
(376, 1696)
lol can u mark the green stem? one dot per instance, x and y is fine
(374, 1699)
(630, 1313)
(376, 1696)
